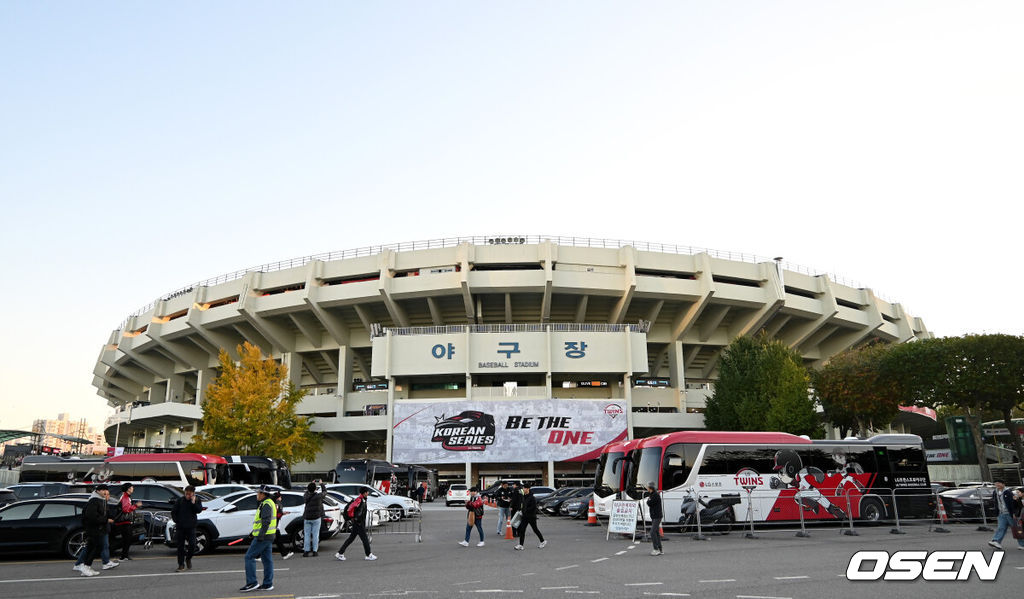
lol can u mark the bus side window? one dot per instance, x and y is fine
(716, 461)
(677, 464)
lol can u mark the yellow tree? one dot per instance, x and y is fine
(249, 409)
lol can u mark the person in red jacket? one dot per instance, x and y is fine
(474, 517)
(123, 521)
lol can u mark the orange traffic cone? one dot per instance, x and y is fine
(591, 514)
(508, 529)
(943, 519)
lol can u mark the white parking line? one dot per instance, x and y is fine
(642, 584)
(529, 574)
(494, 591)
(567, 567)
(467, 582)
(108, 576)
(631, 547)
(557, 588)
(600, 559)
(668, 594)
(719, 580)
(621, 552)
(790, 577)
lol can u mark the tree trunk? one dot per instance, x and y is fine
(1017, 445)
(979, 444)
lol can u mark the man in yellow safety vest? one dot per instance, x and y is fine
(264, 527)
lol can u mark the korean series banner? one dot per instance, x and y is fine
(505, 431)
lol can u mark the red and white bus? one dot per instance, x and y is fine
(611, 473)
(177, 469)
(784, 474)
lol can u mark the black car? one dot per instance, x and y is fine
(41, 490)
(577, 507)
(552, 504)
(50, 525)
(150, 522)
(963, 503)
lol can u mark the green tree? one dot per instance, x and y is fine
(762, 385)
(249, 409)
(997, 366)
(853, 391)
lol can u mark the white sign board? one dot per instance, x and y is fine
(623, 517)
(459, 431)
(938, 455)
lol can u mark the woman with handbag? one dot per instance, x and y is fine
(474, 517)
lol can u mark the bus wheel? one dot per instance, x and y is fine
(871, 510)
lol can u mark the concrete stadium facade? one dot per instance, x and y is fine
(659, 314)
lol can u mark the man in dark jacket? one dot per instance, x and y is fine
(657, 514)
(312, 516)
(516, 502)
(1006, 509)
(355, 512)
(183, 513)
(529, 509)
(95, 524)
(504, 497)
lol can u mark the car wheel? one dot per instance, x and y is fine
(871, 510)
(74, 543)
(397, 512)
(203, 542)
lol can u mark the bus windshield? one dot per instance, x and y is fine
(648, 469)
(609, 473)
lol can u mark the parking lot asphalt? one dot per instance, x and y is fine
(577, 561)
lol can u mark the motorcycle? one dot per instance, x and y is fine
(716, 516)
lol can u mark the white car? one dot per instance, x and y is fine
(222, 490)
(377, 513)
(407, 505)
(457, 494)
(230, 518)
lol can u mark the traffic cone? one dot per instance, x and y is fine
(943, 519)
(508, 529)
(591, 514)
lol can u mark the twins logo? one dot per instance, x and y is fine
(471, 430)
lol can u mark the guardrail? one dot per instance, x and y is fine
(560, 327)
(447, 242)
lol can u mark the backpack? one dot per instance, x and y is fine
(350, 509)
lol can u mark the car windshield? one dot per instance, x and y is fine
(458, 487)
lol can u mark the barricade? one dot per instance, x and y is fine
(395, 523)
(983, 527)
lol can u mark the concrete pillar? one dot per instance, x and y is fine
(551, 474)
(158, 392)
(469, 474)
(390, 419)
(345, 371)
(175, 389)
(204, 377)
(627, 387)
(293, 360)
(676, 372)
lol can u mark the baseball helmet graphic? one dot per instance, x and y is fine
(787, 463)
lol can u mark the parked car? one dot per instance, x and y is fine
(541, 492)
(46, 525)
(550, 505)
(230, 518)
(222, 490)
(964, 503)
(152, 520)
(378, 512)
(576, 507)
(7, 496)
(404, 505)
(42, 490)
(489, 492)
(457, 494)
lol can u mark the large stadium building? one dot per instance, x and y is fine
(622, 337)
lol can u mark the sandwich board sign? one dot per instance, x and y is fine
(623, 518)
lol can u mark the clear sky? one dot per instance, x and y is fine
(145, 146)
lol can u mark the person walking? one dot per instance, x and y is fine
(312, 516)
(421, 493)
(355, 512)
(184, 513)
(1005, 506)
(529, 509)
(474, 517)
(96, 525)
(516, 503)
(281, 541)
(123, 521)
(657, 513)
(504, 498)
(264, 528)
